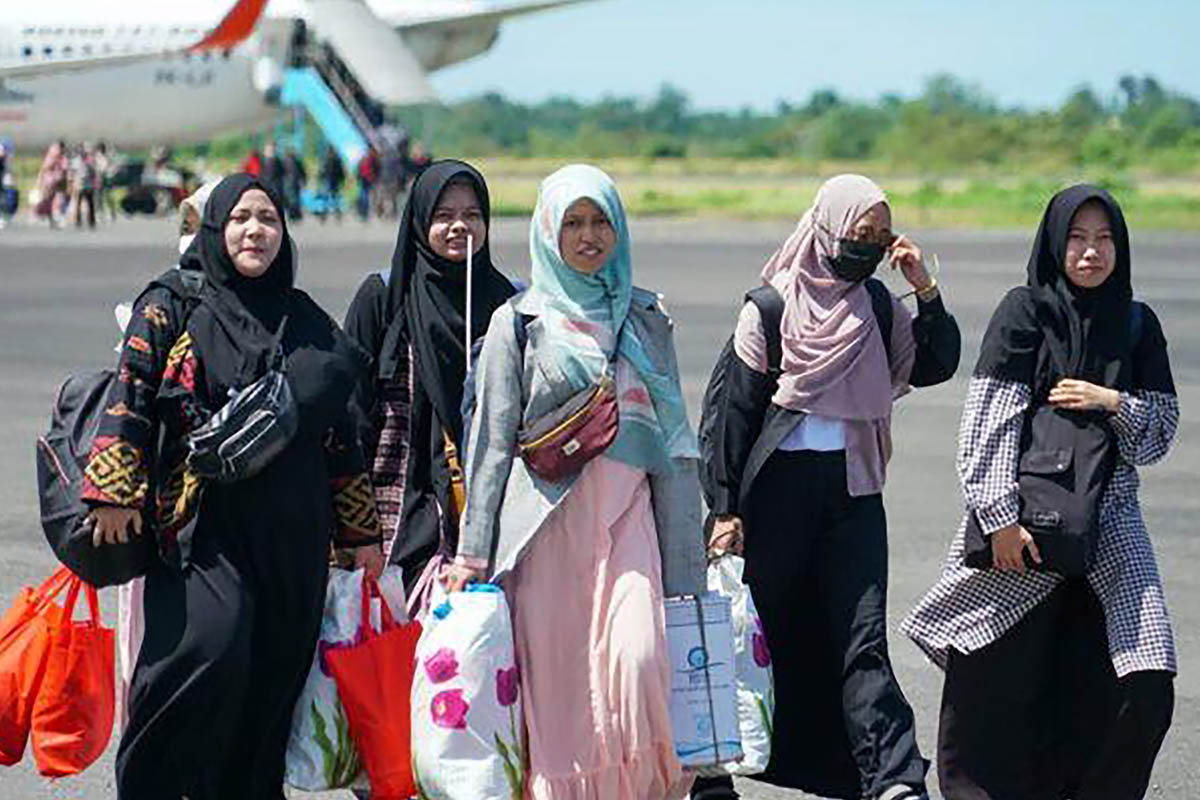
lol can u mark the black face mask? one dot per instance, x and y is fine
(856, 261)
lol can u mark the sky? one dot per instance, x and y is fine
(737, 53)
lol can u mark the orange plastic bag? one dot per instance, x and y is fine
(374, 680)
(24, 644)
(73, 714)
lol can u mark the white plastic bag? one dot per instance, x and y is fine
(320, 753)
(752, 668)
(467, 726)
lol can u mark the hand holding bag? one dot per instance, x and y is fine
(73, 714)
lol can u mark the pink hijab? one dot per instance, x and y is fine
(834, 361)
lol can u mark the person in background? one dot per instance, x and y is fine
(368, 173)
(332, 179)
(52, 183)
(83, 180)
(586, 560)
(1058, 687)
(800, 480)
(271, 172)
(233, 607)
(295, 179)
(414, 324)
(253, 162)
(105, 169)
(9, 197)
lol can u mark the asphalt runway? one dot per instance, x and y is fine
(59, 288)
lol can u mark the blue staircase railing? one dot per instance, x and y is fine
(304, 87)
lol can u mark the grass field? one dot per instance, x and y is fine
(782, 189)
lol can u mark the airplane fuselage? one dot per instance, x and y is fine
(176, 99)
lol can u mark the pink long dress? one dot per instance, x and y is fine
(587, 605)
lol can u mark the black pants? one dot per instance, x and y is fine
(1041, 715)
(227, 649)
(816, 563)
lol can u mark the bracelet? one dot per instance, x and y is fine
(929, 292)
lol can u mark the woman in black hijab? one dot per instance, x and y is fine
(1058, 686)
(233, 611)
(414, 322)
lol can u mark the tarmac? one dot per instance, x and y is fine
(58, 289)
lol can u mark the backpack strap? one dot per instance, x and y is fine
(881, 304)
(769, 302)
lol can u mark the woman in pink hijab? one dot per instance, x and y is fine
(804, 446)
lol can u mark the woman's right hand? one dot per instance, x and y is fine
(111, 524)
(726, 537)
(455, 577)
(1009, 546)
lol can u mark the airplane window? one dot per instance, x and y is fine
(68, 50)
(87, 49)
(107, 48)
(27, 51)
(47, 51)
(207, 56)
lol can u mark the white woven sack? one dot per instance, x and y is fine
(467, 727)
(752, 670)
(321, 755)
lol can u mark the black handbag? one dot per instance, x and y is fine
(252, 429)
(1067, 459)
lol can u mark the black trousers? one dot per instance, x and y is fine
(1041, 715)
(816, 564)
(228, 645)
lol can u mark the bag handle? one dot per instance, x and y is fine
(89, 591)
(51, 588)
(370, 589)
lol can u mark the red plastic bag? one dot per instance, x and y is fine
(24, 644)
(374, 680)
(73, 714)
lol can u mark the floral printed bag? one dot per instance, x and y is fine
(467, 727)
(320, 753)
(752, 670)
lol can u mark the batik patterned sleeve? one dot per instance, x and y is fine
(356, 521)
(989, 443)
(117, 470)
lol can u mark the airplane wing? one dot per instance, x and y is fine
(235, 27)
(372, 49)
(483, 17)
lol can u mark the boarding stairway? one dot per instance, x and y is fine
(348, 118)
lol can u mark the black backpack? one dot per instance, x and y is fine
(62, 456)
(770, 309)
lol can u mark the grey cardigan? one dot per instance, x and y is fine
(506, 503)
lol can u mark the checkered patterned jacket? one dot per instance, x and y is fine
(969, 608)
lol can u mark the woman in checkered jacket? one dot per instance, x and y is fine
(1058, 687)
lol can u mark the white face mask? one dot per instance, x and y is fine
(185, 242)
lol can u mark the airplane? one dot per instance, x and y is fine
(145, 72)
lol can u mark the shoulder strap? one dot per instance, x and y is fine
(881, 304)
(520, 323)
(1137, 321)
(769, 302)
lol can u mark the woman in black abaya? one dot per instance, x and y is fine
(413, 323)
(234, 608)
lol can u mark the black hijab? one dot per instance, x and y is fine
(235, 327)
(427, 294)
(1086, 332)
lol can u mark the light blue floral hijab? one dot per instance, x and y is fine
(586, 316)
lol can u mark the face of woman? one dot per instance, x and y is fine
(457, 214)
(253, 234)
(587, 237)
(875, 225)
(1091, 252)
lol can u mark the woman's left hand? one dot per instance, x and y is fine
(370, 558)
(1078, 395)
(905, 254)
